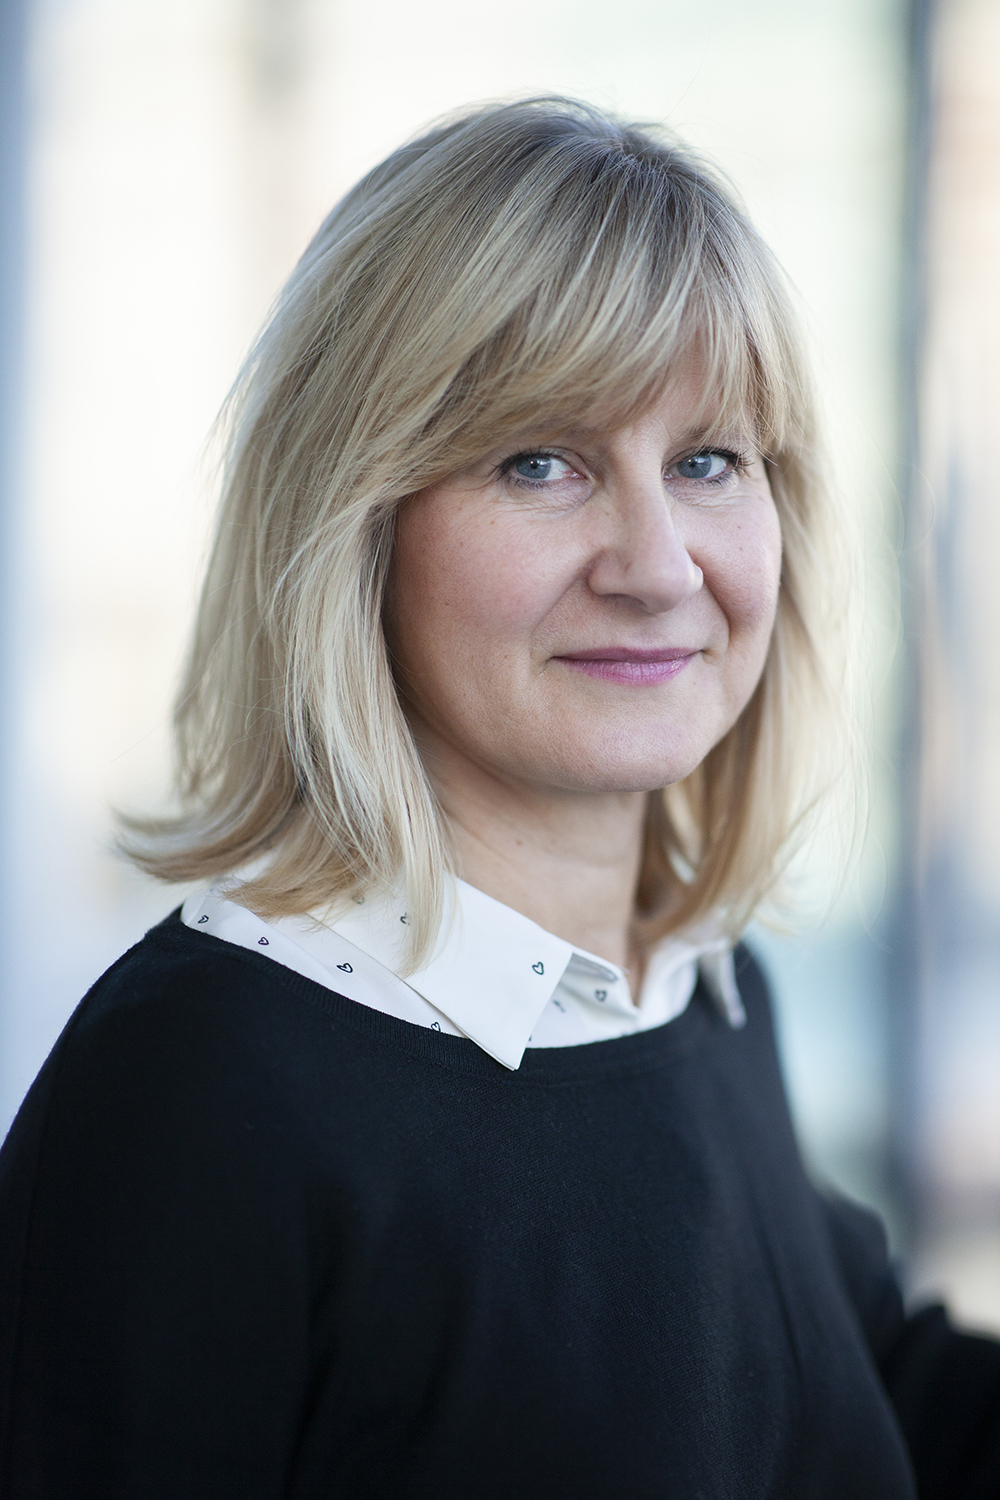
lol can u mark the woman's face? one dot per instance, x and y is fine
(588, 610)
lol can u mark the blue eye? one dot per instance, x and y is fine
(533, 465)
(538, 470)
(707, 465)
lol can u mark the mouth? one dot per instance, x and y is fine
(643, 667)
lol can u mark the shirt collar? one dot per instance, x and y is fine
(493, 971)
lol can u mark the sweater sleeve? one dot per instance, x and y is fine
(943, 1383)
(154, 1311)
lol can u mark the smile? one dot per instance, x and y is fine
(644, 668)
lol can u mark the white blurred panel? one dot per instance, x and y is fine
(955, 629)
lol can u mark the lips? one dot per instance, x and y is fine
(641, 666)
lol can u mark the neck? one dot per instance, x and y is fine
(567, 860)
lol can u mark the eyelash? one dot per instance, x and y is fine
(738, 462)
(506, 469)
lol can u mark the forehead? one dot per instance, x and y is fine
(682, 412)
(541, 390)
(688, 402)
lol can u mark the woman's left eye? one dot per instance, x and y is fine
(709, 464)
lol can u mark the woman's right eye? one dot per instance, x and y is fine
(537, 468)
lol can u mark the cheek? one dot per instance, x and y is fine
(745, 574)
(458, 577)
(464, 579)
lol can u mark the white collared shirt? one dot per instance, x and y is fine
(494, 976)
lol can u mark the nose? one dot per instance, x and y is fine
(642, 554)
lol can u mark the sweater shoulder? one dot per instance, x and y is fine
(198, 1002)
(174, 965)
(183, 1035)
(751, 981)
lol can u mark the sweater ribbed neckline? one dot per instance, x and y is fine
(639, 1052)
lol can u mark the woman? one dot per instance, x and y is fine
(438, 1147)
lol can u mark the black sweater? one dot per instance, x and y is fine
(259, 1241)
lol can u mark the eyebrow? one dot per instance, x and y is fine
(703, 432)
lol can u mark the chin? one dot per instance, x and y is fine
(621, 772)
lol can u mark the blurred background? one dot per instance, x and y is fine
(164, 164)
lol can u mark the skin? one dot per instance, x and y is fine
(513, 580)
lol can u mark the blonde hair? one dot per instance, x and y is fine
(523, 262)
